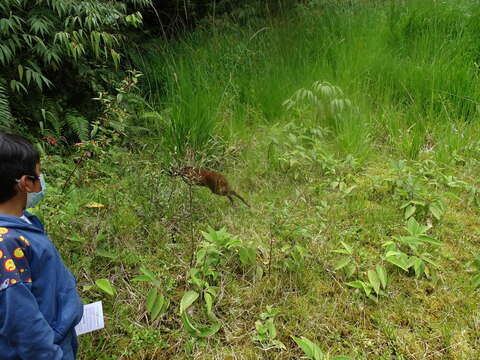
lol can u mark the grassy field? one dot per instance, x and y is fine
(351, 128)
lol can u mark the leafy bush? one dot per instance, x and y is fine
(50, 44)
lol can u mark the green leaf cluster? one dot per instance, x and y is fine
(266, 332)
(156, 303)
(414, 251)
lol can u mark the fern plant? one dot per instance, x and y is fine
(5, 115)
(78, 125)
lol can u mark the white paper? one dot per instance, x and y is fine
(92, 318)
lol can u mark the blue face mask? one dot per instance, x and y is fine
(34, 198)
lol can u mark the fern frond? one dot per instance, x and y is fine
(5, 114)
(78, 125)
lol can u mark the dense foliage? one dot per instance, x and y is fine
(351, 127)
(59, 45)
(62, 52)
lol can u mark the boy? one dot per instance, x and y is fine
(39, 303)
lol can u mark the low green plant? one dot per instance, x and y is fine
(414, 251)
(302, 150)
(266, 332)
(342, 185)
(210, 259)
(409, 186)
(156, 303)
(293, 257)
(211, 256)
(376, 283)
(193, 328)
(326, 100)
(348, 263)
(214, 252)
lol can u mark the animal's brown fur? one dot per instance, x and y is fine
(215, 181)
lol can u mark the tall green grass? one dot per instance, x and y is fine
(410, 66)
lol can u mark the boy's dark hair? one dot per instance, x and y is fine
(18, 157)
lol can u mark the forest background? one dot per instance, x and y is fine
(351, 127)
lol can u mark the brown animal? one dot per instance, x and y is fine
(215, 181)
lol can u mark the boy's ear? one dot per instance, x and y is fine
(26, 184)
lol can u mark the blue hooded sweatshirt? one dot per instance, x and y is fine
(39, 303)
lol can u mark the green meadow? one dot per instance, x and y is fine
(351, 128)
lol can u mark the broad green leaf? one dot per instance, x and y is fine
(409, 211)
(248, 255)
(430, 240)
(411, 240)
(452, 196)
(105, 286)
(260, 328)
(188, 299)
(356, 284)
(426, 257)
(347, 247)
(272, 331)
(382, 275)
(310, 349)
(141, 278)
(393, 253)
(191, 329)
(198, 331)
(475, 263)
(436, 211)
(105, 253)
(400, 261)
(160, 306)
(414, 228)
(151, 297)
(258, 272)
(342, 263)
(209, 331)
(408, 203)
(419, 267)
(350, 189)
(152, 276)
(367, 288)
(341, 358)
(208, 302)
(374, 280)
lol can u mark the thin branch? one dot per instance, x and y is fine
(75, 169)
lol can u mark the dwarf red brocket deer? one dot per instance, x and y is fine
(215, 181)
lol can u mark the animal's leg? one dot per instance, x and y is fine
(230, 198)
(238, 196)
